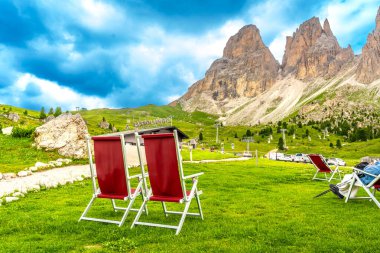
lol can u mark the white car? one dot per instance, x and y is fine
(299, 157)
(336, 161)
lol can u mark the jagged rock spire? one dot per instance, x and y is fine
(369, 65)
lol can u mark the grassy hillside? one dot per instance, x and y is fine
(192, 124)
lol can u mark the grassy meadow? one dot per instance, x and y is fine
(18, 153)
(247, 208)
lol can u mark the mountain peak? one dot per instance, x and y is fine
(313, 51)
(248, 39)
(368, 68)
(326, 28)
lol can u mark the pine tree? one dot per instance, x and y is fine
(280, 144)
(236, 136)
(58, 111)
(338, 144)
(25, 112)
(42, 113)
(331, 145)
(51, 111)
(200, 136)
(248, 133)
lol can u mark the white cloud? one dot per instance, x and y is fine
(171, 98)
(52, 95)
(98, 15)
(346, 18)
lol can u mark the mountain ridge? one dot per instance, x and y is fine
(313, 61)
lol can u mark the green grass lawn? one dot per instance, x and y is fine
(269, 208)
(199, 154)
(17, 154)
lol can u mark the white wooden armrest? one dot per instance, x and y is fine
(364, 172)
(138, 175)
(193, 175)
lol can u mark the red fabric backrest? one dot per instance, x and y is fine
(162, 162)
(319, 162)
(110, 165)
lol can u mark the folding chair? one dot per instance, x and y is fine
(374, 185)
(166, 177)
(113, 176)
(322, 167)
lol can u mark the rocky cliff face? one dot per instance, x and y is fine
(247, 85)
(369, 65)
(246, 69)
(314, 51)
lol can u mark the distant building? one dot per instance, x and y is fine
(129, 136)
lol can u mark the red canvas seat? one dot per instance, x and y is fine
(322, 167)
(167, 181)
(112, 180)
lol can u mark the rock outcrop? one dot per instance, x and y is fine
(369, 65)
(66, 133)
(13, 116)
(246, 69)
(314, 51)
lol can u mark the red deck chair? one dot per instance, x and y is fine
(322, 167)
(166, 178)
(112, 174)
(373, 185)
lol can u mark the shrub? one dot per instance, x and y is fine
(19, 132)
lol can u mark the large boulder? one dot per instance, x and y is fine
(7, 130)
(14, 117)
(66, 133)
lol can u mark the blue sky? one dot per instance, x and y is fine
(94, 54)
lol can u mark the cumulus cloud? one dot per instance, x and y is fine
(118, 54)
(351, 21)
(35, 92)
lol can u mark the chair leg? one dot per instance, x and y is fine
(131, 201)
(146, 207)
(199, 204)
(332, 176)
(315, 175)
(113, 205)
(350, 190)
(183, 217)
(164, 207)
(139, 212)
(88, 207)
(372, 196)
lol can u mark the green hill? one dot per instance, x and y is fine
(300, 138)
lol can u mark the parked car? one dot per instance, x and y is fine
(286, 158)
(299, 157)
(336, 161)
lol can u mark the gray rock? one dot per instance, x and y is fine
(13, 116)
(18, 195)
(1, 175)
(41, 165)
(7, 130)
(11, 199)
(22, 173)
(67, 133)
(8, 176)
